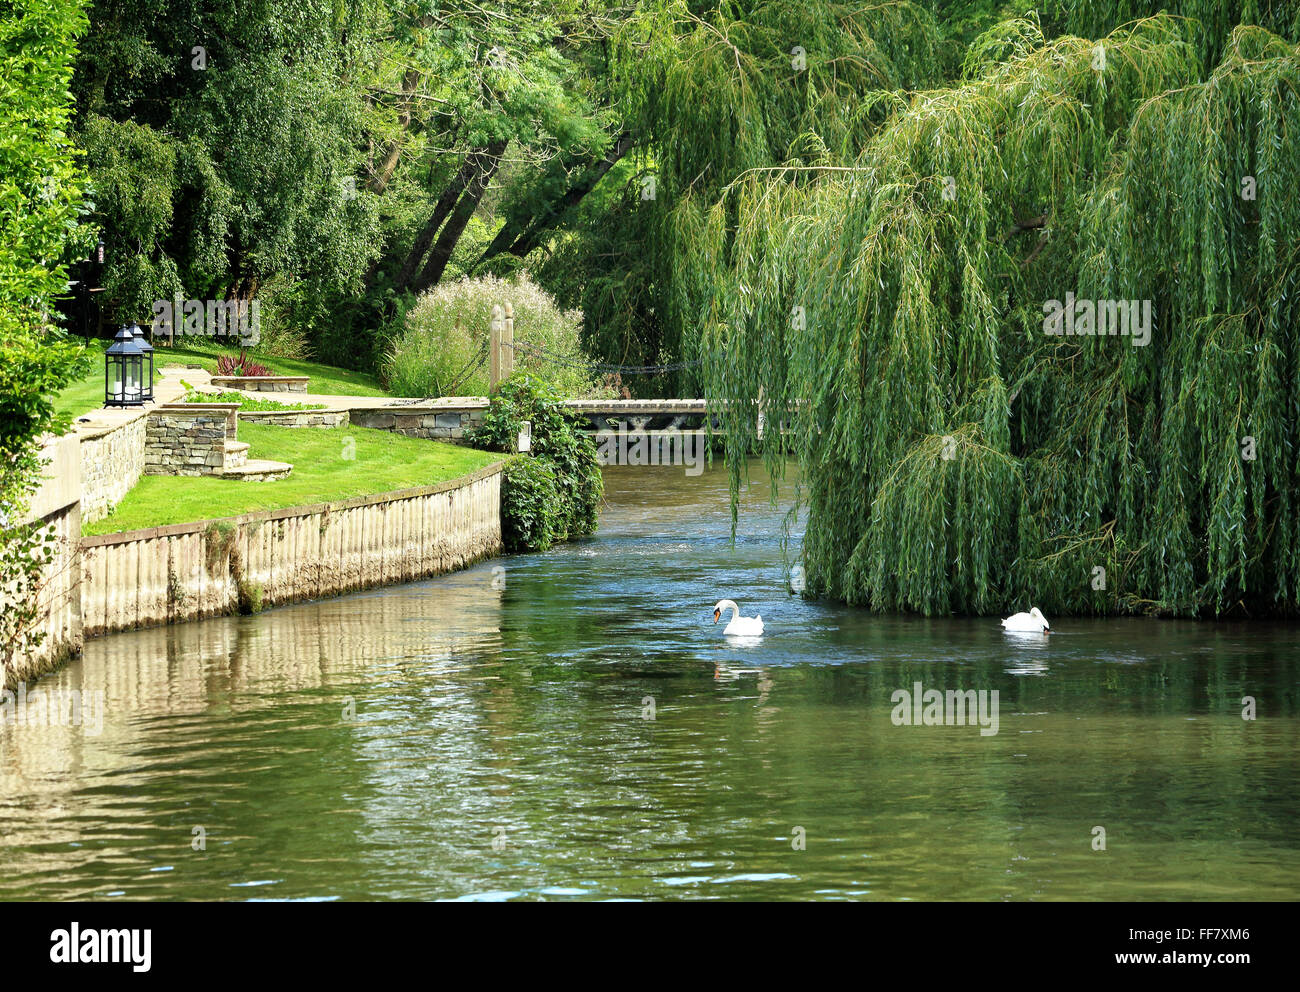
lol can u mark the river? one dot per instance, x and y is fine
(571, 725)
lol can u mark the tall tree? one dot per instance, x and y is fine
(896, 304)
(41, 198)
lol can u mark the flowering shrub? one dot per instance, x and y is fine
(442, 351)
(240, 364)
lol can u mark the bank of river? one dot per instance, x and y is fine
(484, 735)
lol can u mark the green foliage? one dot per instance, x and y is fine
(215, 173)
(136, 184)
(1209, 24)
(568, 454)
(957, 458)
(247, 402)
(443, 349)
(718, 94)
(601, 267)
(41, 199)
(249, 596)
(530, 501)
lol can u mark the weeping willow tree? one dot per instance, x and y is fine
(716, 92)
(895, 308)
(1210, 23)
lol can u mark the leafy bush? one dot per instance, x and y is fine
(442, 349)
(252, 403)
(42, 192)
(529, 504)
(556, 441)
(291, 308)
(240, 364)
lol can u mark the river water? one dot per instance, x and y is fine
(571, 725)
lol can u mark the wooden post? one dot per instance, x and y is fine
(494, 348)
(508, 339)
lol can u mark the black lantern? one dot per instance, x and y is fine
(146, 350)
(125, 364)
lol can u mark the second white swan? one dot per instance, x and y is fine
(1025, 623)
(737, 624)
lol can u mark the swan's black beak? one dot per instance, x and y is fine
(716, 614)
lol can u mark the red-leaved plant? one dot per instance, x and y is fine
(240, 364)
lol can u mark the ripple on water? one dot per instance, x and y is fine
(583, 731)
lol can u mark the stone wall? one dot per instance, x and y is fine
(181, 442)
(297, 418)
(263, 383)
(434, 421)
(181, 572)
(112, 461)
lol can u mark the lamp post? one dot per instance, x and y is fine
(125, 362)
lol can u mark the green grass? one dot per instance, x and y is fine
(87, 393)
(325, 379)
(322, 472)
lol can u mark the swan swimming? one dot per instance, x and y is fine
(737, 624)
(1032, 622)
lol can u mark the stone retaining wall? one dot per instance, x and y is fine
(438, 422)
(180, 572)
(297, 418)
(58, 601)
(112, 461)
(263, 383)
(185, 442)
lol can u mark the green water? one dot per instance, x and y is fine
(500, 746)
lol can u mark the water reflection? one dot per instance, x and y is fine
(486, 735)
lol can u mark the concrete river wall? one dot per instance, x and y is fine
(162, 575)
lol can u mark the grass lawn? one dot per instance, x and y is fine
(87, 393)
(322, 472)
(325, 379)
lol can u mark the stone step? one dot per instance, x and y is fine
(258, 470)
(236, 454)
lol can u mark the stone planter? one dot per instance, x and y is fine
(263, 383)
(297, 418)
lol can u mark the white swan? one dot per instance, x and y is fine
(1031, 622)
(737, 624)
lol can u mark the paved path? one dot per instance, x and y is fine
(167, 389)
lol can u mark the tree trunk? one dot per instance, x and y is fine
(486, 163)
(388, 161)
(513, 240)
(440, 211)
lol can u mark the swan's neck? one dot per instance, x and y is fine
(727, 604)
